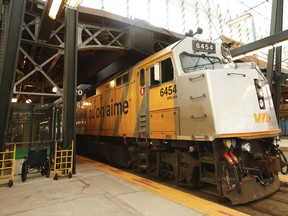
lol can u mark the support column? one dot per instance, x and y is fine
(276, 26)
(70, 79)
(8, 69)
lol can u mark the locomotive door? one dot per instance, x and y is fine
(142, 103)
(162, 111)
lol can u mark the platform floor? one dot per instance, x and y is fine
(90, 192)
(283, 144)
(99, 189)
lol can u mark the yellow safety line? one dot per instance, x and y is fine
(283, 178)
(186, 199)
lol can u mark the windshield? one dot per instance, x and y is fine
(192, 63)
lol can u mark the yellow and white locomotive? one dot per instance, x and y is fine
(188, 114)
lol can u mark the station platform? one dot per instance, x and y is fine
(283, 145)
(99, 189)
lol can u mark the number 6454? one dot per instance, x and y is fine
(168, 90)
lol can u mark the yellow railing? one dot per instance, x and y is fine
(63, 161)
(7, 163)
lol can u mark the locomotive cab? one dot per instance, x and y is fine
(227, 110)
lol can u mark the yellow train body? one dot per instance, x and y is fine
(119, 107)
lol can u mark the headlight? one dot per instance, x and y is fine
(258, 84)
(230, 143)
(227, 143)
(260, 93)
(246, 147)
(261, 103)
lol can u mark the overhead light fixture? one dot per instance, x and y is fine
(28, 101)
(54, 89)
(73, 3)
(238, 19)
(54, 8)
(14, 100)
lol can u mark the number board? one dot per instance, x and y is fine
(201, 46)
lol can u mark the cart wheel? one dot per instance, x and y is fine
(70, 174)
(43, 171)
(10, 183)
(55, 177)
(24, 171)
(47, 168)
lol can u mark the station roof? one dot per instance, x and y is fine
(114, 25)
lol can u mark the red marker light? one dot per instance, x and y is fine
(142, 91)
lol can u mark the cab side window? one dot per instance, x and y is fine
(142, 77)
(167, 70)
(161, 72)
(154, 75)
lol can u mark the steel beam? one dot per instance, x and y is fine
(276, 27)
(8, 70)
(270, 40)
(70, 79)
(122, 63)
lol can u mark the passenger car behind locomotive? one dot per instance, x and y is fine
(185, 114)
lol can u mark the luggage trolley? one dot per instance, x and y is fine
(7, 162)
(37, 160)
(63, 161)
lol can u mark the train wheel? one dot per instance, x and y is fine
(43, 172)
(195, 181)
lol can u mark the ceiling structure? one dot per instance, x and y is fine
(107, 30)
(107, 43)
(212, 16)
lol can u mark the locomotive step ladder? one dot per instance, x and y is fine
(7, 163)
(207, 165)
(63, 161)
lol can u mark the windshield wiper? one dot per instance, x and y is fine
(205, 57)
(193, 68)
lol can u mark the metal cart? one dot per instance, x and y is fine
(63, 161)
(37, 160)
(7, 162)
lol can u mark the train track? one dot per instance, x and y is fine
(273, 205)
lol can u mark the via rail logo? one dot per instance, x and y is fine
(262, 118)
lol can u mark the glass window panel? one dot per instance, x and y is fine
(96, 4)
(175, 16)
(139, 9)
(167, 70)
(118, 7)
(158, 13)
